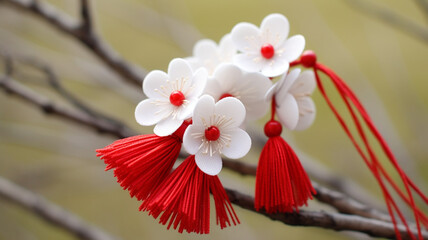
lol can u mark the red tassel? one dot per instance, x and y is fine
(141, 162)
(282, 184)
(308, 59)
(182, 200)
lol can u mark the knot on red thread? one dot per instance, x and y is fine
(308, 59)
(273, 128)
(180, 131)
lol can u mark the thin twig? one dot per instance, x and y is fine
(85, 14)
(47, 106)
(50, 212)
(56, 85)
(84, 34)
(335, 221)
(424, 5)
(391, 18)
(337, 200)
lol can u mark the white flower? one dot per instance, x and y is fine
(266, 49)
(294, 106)
(206, 53)
(171, 97)
(250, 88)
(214, 131)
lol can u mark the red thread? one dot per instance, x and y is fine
(141, 162)
(282, 184)
(182, 200)
(374, 165)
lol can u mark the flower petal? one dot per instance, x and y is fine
(192, 138)
(205, 49)
(210, 165)
(239, 146)
(256, 110)
(306, 113)
(149, 112)
(292, 48)
(213, 88)
(250, 62)
(153, 83)
(275, 67)
(226, 48)
(273, 90)
(304, 85)
(254, 85)
(186, 111)
(288, 81)
(246, 37)
(167, 126)
(179, 70)
(230, 108)
(275, 29)
(227, 75)
(288, 112)
(199, 81)
(203, 110)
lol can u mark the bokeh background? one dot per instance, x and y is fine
(386, 67)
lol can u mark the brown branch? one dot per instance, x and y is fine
(337, 200)
(335, 221)
(13, 87)
(83, 33)
(50, 212)
(56, 85)
(390, 18)
(85, 14)
(424, 5)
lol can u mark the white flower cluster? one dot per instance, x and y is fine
(222, 86)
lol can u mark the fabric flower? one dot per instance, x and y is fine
(250, 88)
(171, 97)
(214, 131)
(266, 49)
(206, 53)
(294, 106)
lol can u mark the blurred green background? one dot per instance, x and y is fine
(386, 67)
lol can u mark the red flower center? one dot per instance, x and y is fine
(176, 98)
(267, 51)
(212, 133)
(225, 95)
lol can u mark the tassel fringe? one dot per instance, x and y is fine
(182, 200)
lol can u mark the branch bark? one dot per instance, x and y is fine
(334, 221)
(83, 32)
(50, 212)
(391, 18)
(47, 106)
(363, 219)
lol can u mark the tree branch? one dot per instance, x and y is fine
(390, 18)
(85, 14)
(82, 32)
(50, 212)
(337, 200)
(48, 107)
(424, 5)
(56, 85)
(335, 221)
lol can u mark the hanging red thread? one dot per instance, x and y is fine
(282, 184)
(182, 200)
(308, 60)
(141, 162)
